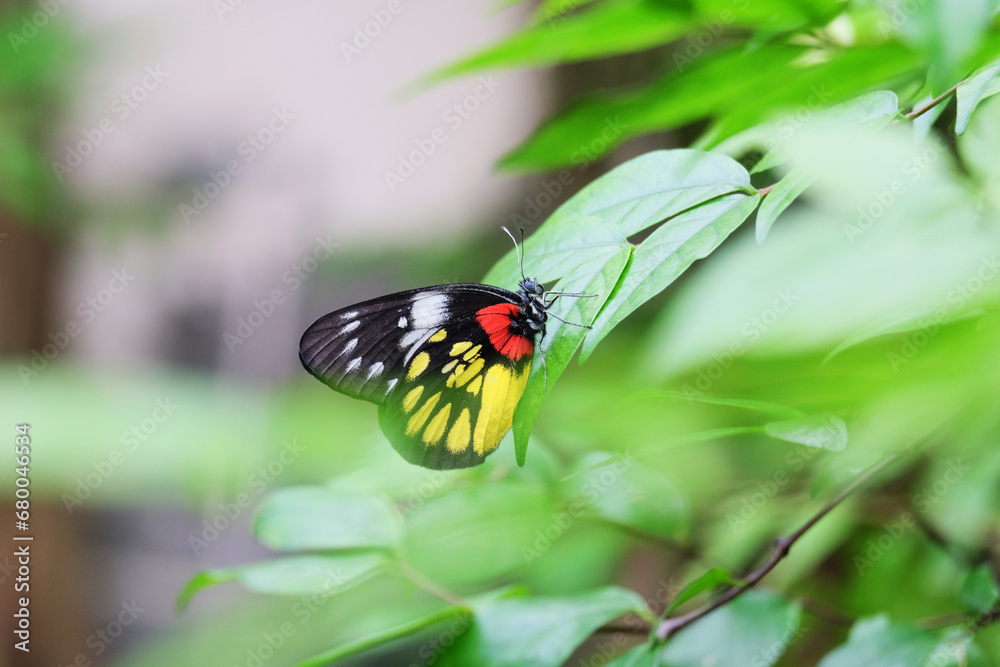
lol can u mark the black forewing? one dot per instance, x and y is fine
(361, 350)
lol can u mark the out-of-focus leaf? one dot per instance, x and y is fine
(321, 518)
(754, 629)
(637, 656)
(390, 633)
(874, 641)
(979, 590)
(541, 632)
(710, 580)
(984, 83)
(824, 431)
(925, 319)
(618, 26)
(584, 245)
(629, 494)
(295, 575)
(773, 83)
(948, 33)
(769, 15)
(773, 409)
(777, 200)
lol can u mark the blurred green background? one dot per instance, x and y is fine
(185, 187)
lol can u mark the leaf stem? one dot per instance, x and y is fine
(670, 626)
(920, 111)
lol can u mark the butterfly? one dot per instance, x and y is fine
(446, 364)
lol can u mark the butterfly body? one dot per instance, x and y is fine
(445, 364)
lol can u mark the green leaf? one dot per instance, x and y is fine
(584, 245)
(201, 581)
(637, 656)
(949, 33)
(710, 580)
(610, 28)
(627, 493)
(823, 431)
(778, 199)
(874, 641)
(388, 634)
(774, 409)
(322, 518)
(982, 84)
(540, 632)
(926, 318)
(754, 629)
(666, 254)
(296, 575)
(979, 590)
(679, 97)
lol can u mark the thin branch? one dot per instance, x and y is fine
(670, 626)
(920, 111)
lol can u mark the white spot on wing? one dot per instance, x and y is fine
(390, 385)
(348, 328)
(349, 315)
(351, 344)
(402, 322)
(428, 310)
(353, 364)
(375, 369)
(411, 337)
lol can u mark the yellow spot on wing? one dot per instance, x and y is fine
(418, 365)
(435, 429)
(464, 376)
(501, 392)
(458, 436)
(474, 386)
(471, 353)
(417, 420)
(459, 348)
(448, 366)
(439, 336)
(410, 401)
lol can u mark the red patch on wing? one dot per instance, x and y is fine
(495, 321)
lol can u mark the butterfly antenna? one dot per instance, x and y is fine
(520, 264)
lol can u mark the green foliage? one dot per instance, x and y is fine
(857, 324)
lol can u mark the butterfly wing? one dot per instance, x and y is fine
(441, 362)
